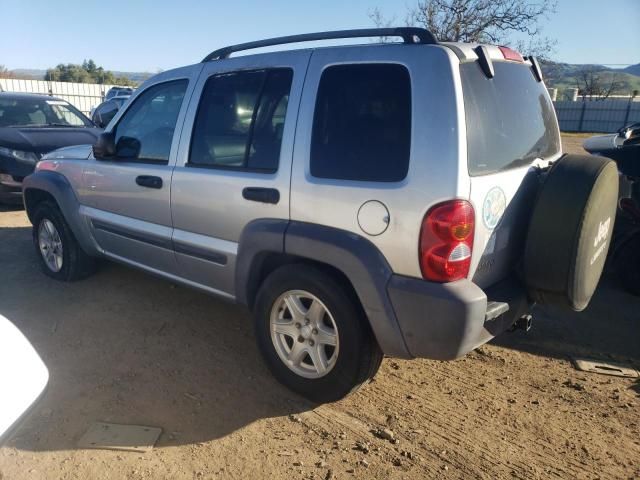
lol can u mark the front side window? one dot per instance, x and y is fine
(145, 131)
(362, 123)
(240, 120)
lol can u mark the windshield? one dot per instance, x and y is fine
(510, 118)
(37, 112)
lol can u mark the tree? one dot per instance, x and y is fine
(88, 72)
(595, 83)
(90, 66)
(481, 21)
(5, 73)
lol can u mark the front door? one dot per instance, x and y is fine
(236, 165)
(127, 198)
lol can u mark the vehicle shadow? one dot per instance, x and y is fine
(608, 330)
(125, 347)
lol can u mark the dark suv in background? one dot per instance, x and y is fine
(30, 126)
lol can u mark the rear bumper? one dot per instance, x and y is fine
(444, 321)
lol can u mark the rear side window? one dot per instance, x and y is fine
(240, 120)
(362, 123)
(510, 118)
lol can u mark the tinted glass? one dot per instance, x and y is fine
(362, 123)
(268, 126)
(510, 118)
(240, 120)
(105, 112)
(145, 131)
(34, 112)
(113, 91)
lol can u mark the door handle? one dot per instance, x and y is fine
(149, 181)
(260, 194)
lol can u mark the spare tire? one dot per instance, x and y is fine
(570, 231)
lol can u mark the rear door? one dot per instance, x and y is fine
(511, 127)
(127, 198)
(234, 161)
(377, 144)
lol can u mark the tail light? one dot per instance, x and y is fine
(446, 241)
(510, 54)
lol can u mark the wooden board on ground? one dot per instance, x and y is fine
(111, 436)
(606, 368)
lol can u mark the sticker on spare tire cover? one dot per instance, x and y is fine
(493, 207)
(601, 237)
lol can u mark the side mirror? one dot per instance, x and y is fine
(105, 146)
(23, 378)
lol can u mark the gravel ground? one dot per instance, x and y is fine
(125, 347)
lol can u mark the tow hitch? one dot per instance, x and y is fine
(523, 323)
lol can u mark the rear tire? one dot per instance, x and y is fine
(285, 334)
(60, 255)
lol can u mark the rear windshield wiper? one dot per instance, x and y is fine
(518, 162)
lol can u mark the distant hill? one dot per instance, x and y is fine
(36, 74)
(138, 77)
(28, 73)
(565, 75)
(633, 69)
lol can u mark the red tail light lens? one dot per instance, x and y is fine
(446, 241)
(510, 54)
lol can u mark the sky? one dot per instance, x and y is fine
(152, 35)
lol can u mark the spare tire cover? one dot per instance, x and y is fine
(570, 231)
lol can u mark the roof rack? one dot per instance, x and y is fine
(408, 34)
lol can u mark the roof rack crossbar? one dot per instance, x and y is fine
(408, 35)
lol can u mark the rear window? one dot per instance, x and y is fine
(362, 123)
(510, 118)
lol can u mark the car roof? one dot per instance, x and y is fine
(169, 73)
(29, 96)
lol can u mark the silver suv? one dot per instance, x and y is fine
(361, 200)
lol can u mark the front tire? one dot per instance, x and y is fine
(313, 335)
(60, 255)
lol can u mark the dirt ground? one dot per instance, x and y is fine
(125, 347)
